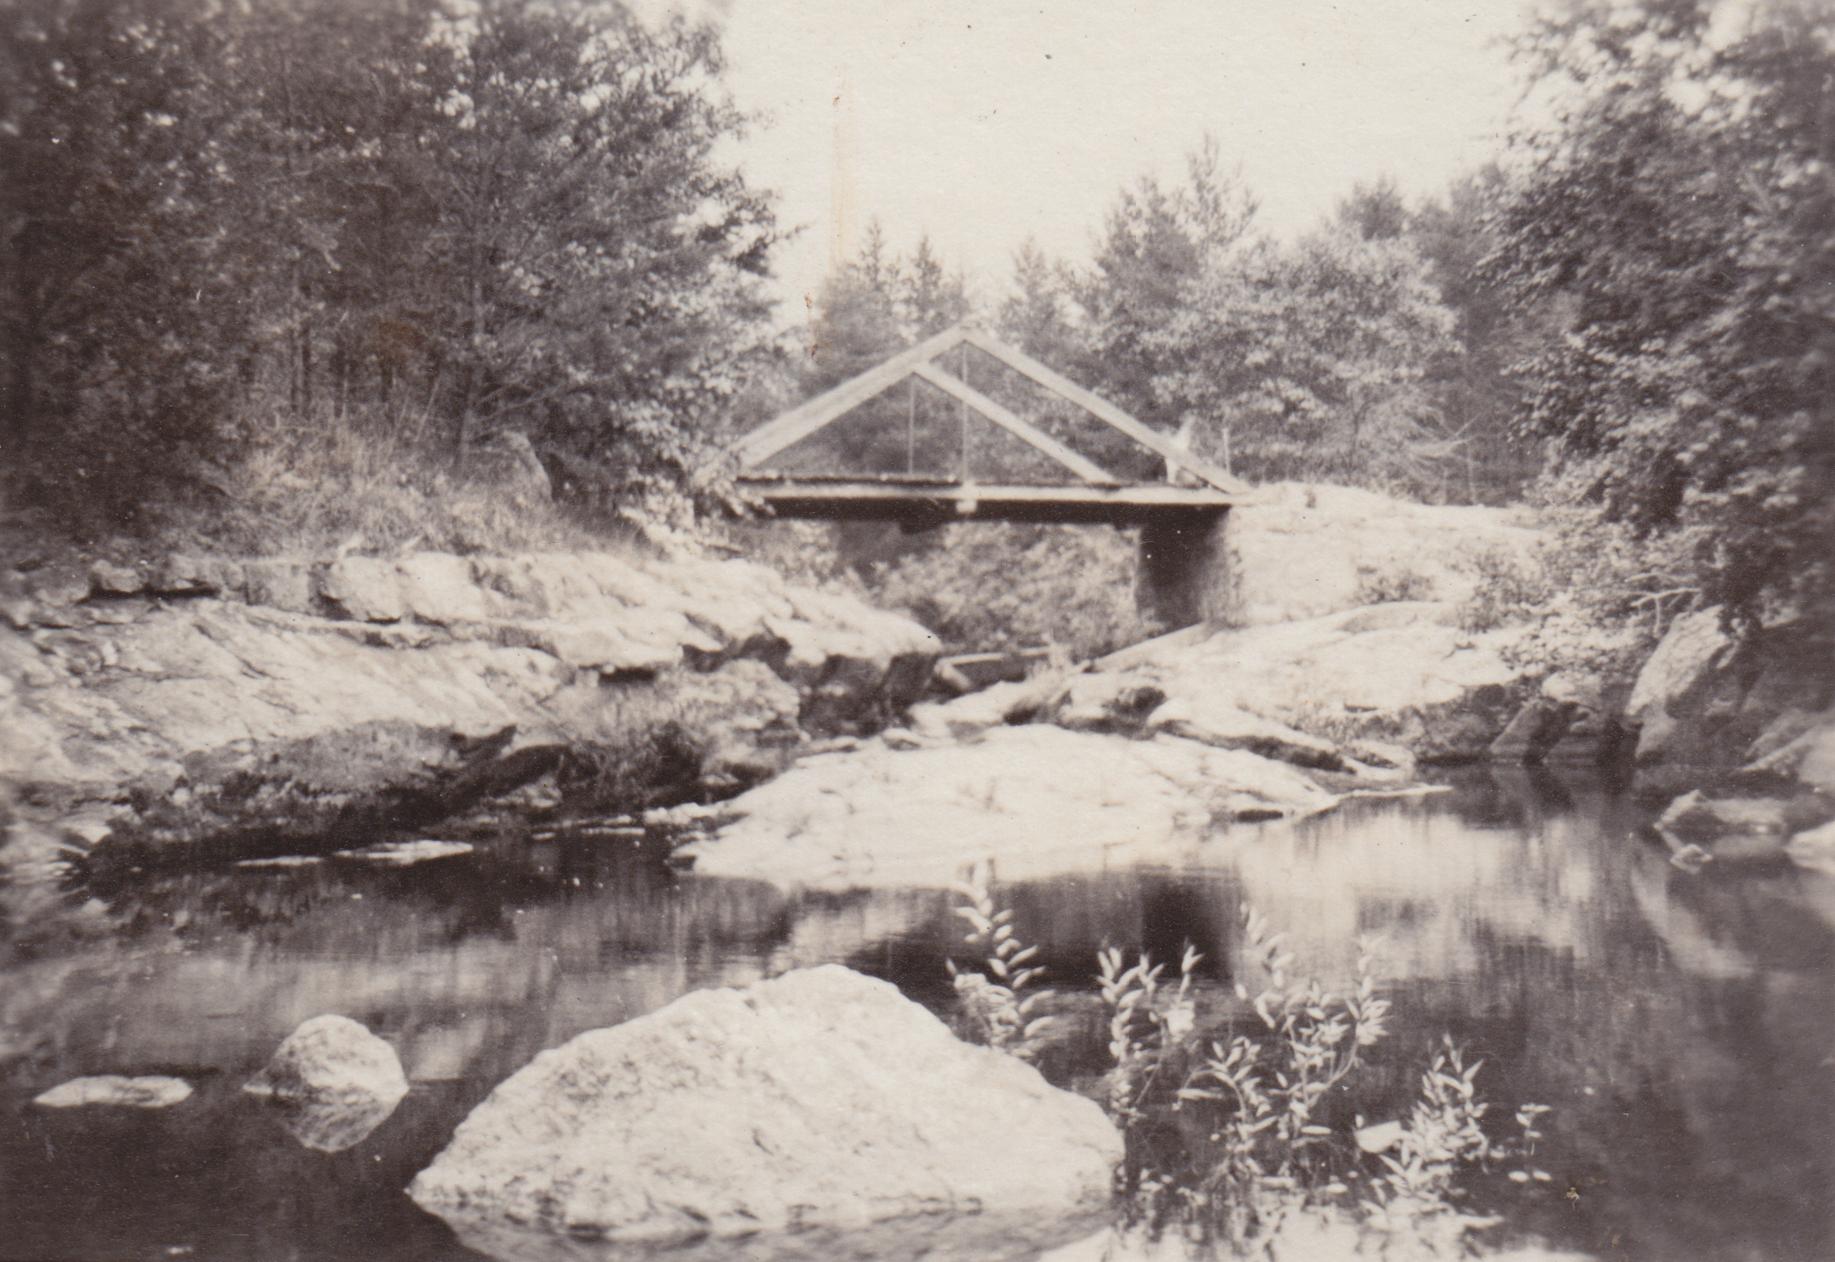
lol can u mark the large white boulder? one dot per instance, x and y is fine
(1037, 800)
(813, 1106)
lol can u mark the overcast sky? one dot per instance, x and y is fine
(983, 122)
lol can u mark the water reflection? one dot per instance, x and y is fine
(935, 1238)
(332, 1123)
(1680, 1024)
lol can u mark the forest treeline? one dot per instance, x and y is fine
(1630, 316)
(228, 230)
(1372, 350)
(451, 219)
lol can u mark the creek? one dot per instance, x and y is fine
(1676, 1023)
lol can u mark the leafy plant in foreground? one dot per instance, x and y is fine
(1002, 1005)
(1234, 1133)
(1268, 1126)
(1144, 1027)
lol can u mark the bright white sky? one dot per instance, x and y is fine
(983, 122)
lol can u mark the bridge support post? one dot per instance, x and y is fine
(1183, 575)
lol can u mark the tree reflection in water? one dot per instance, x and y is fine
(1677, 1023)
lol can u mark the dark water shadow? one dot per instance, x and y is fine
(1678, 1023)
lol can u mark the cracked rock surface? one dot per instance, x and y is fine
(210, 702)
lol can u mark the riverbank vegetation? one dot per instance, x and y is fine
(1247, 1127)
(450, 234)
(1627, 320)
(326, 276)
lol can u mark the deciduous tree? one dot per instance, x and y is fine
(1678, 207)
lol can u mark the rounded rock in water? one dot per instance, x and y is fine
(335, 1081)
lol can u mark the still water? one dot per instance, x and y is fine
(1681, 1026)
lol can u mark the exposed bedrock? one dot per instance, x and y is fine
(264, 705)
(1309, 692)
(1299, 551)
(1138, 759)
(1342, 621)
(1350, 671)
(1743, 730)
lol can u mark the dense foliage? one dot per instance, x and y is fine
(1243, 1127)
(876, 303)
(1309, 362)
(251, 252)
(1370, 351)
(450, 221)
(992, 585)
(1677, 210)
(1344, 356)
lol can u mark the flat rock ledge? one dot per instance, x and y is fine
(794, 1118)
(1038, 800)
(239, 709)
(117, 1091)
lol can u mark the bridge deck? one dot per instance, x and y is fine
(926, 501)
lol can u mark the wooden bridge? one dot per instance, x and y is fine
(1183, 573)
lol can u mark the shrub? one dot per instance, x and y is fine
(370, 481)
(1593, 600)
(802, 551)
(1234, 1132)
(1510, 588)
(1378, 586)
(998, 586)
(631, 771)
(520, 217)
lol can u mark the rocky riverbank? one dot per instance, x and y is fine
(208, 709)
(1373, 645)
(216, 707)
(1355, 667)
(220, 708)
(1138, 758)
(1737, 734)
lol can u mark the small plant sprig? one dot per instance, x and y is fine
(1003, 1004)
(1145, 1030)
(1417, 1191)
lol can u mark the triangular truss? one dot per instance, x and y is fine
(920, 362)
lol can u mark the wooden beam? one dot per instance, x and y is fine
(1157, 495)
(802, 421)
(922, 507)
(1020, 428)
(1108, 413)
